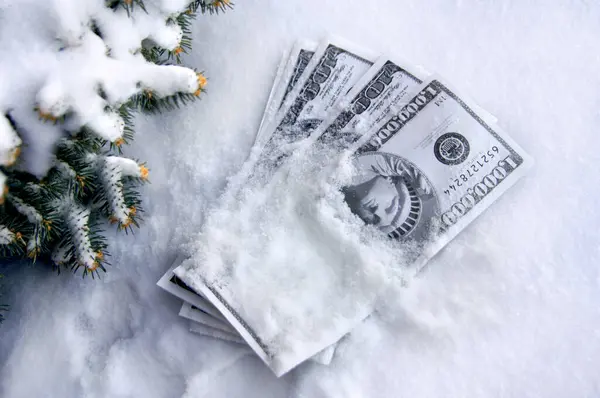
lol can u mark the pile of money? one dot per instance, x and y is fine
(429, 161)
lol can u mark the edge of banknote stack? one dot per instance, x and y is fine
(442, 159)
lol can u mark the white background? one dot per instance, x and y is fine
(510, 308)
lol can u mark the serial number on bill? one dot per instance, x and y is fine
(473, 170)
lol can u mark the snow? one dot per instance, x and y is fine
(112, 170)
(334, 267)
(6, 236)
(509, 308)
(77, 221)
(56, 58)
(29, 211)
(9, 140)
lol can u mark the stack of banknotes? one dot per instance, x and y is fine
(430, 162)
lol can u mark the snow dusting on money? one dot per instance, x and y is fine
(364, 167)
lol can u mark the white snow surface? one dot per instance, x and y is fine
(509, 308)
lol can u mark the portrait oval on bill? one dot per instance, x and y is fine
(393, 195)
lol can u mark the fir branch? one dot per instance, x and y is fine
(133, 200)
(162, 56)
(118, 199)
(210, 6)
(33, 206)
(184, 20)
(152, 54)
(84, 239)
(13, 244)
(62, 215)
(127, 5)
(82, 143)
(149, 103)
(125, 111)
(74, 167)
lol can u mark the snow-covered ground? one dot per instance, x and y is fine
(510, 308)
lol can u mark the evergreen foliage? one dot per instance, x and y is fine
(61, 217)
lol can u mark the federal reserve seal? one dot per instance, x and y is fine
(451, 149)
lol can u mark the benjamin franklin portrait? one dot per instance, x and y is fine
(393, 195)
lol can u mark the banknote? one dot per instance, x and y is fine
(324, 357)
(195, 314)
(289, 70)
(204, 330)
(216, 327)
(384, 84)
(199, 310)
(429, 168)
(286, 79)
(302, 54)
(331, 72)
(387, 85)
(207, 319)
(172, 284)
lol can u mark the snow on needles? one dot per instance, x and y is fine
(89, 76)
(112, 170)
(95, 71)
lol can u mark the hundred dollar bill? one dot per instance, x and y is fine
(221, 330)
(384, 85)
(330, 74)
(387, 85)
(217, 329)
(172, 284)
(209, 320)
(197, 309)
(299, 60)
(332, 71)
(195, 314)
(287, 77)
(324, 357)
(429, 168)
(302, 54)
(204, 330)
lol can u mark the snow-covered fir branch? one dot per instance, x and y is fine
(101, 61)
(77, 219)
(32, 214)
(112, 170)
(102, 65)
